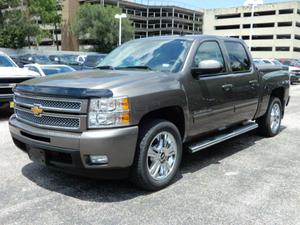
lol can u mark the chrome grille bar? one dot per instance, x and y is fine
(52, 120)
(52, 104)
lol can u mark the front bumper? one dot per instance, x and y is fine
(71, 150)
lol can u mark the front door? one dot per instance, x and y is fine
(211, 98)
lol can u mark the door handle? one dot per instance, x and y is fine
(227, 87)
(253, 82)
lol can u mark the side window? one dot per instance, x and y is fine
(239, 60)
(209, 50)
(32, 68)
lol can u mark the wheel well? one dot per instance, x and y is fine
(279, 93)
(173, 114)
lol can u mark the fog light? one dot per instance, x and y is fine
(98, 159)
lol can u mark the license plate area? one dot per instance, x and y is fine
(37, 155)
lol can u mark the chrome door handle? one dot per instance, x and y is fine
(227, 87)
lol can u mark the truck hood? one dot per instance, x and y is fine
(121, 81)
(16, 72)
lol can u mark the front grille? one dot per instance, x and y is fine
(47, 121)
(56, 113)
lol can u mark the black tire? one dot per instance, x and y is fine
(264, 122)
(140, 174)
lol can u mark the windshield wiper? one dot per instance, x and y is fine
(105, 67)
(134, 67)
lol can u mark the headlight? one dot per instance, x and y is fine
(109, 112)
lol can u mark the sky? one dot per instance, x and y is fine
(208, 4)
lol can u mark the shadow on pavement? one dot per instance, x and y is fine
(5, 113)
(116, 191)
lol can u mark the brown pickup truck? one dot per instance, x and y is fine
(149, 100)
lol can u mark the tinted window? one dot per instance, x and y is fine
(239, 60)
(209, 50)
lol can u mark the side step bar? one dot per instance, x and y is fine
(195, 147)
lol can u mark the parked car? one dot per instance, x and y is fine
(92, 61)
(71, 60)
(47, 70)
(148, 99)
(34, 58)
(10, 75)
(294, 69)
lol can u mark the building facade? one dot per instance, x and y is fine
(148, 20)
(275, 33)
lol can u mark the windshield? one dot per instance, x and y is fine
(93, 60)
(55, 70)
(167, 55)
(6, 62)
(69, 59)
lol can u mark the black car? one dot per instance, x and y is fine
(34, 58)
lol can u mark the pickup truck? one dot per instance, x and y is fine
(10, 75)
(150, 100)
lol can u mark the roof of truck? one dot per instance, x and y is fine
(195, 37)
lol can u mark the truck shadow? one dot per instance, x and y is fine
(116, 191)
(5, 114)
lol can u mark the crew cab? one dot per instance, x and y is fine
(150, 100)
(10, 74)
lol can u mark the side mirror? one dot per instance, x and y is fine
(206, 67)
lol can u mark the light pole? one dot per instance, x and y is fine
(253, 4)
(120, 17)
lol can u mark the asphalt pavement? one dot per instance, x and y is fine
(248, 180)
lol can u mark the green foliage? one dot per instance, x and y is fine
(18, 25)
(97, 23)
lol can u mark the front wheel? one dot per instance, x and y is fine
(269, 124)
(158, 155)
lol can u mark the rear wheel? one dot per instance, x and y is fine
(158, 155)
(269, 124)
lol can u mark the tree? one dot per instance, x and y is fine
(21, 21)
(97, 24)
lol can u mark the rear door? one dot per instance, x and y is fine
(245, 81)
(212, 102)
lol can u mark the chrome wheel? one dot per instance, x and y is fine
(162, 155)
(275, 117)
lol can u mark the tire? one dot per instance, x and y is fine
(156, 155)
(266, 122)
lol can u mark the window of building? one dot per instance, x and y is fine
(283, 49)
(297, 24)
(283, 36)
(297, 37)
(209, 50)
(227, 27)
(285, 24)
(261, 49)
(296, 49)
(228, 16)
(286, 11)
(259, 25)
(245, 37)
(298, 11)
(262, 37)
(261, 13)
(239, 59)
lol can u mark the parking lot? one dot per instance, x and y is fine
(247, 180)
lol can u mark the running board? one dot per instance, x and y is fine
(195, 147)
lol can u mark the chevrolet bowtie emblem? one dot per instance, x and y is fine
(37, 110)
